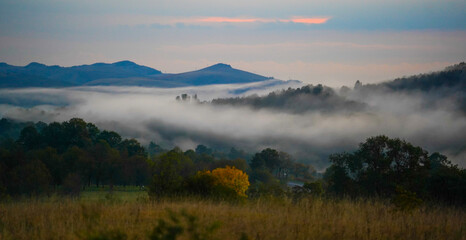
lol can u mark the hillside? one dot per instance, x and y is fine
(299, 100)
(452, 77)
(436, 88)
(448, 84)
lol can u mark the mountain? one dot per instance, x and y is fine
(216, 74)
(124, 73)
(40, 75)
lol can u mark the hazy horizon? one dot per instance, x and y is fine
(330, 42)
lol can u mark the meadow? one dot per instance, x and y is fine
(128, 213)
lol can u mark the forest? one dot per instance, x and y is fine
(71, 156)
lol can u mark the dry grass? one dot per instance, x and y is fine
(60, 218)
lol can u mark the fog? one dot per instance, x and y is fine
(153, 114)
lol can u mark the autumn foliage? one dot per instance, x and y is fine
(230, 177)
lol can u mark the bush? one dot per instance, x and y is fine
(315, 188)
(233, 178)
(222, 183)
(405, 200)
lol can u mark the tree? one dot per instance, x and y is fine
(202, 149)
(76, 133)
(136, 171)
(267, 158)
(131, 147)
(30, 138)
(107, 162)
(154, 149)
(337, 176)
(32, 178)
(226, 183)
(53, 162)
(54, 136)
(232, 178)
(388, 163)
(378, 167)
(111, 137)
(236, 154)
(169, 171)
(446, 182)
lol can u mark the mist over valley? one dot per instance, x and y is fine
(308, 121)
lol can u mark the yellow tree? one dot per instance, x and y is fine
(233, 178)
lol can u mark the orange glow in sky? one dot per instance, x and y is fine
(310, 20)
(303, 20)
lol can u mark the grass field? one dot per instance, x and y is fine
(128, 214)
(125, 194)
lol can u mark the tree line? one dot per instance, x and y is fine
(70, 156)
(387, 168)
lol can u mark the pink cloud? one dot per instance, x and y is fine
(310, 20)
(303, 20)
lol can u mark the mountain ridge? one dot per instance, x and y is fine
(121, 73)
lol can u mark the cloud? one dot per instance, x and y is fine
(309, 20)
(152, 114)
(243, 20)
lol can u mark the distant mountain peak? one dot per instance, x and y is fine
(121, 73)
(218, 66)
(35, 64)
(124, 63)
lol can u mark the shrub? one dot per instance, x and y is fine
(222, 183)
(233, 178)
(405, 200)
(315, 188)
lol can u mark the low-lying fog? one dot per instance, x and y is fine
(153, 114)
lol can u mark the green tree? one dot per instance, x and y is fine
(76, 133)
(131, 147)
(447, 182)
(32, 178)
(378, 167)
(30, 138)
(111, 137)
(53, 162)
(267, 158)
(169, 172)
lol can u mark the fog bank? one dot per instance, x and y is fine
(153, 114)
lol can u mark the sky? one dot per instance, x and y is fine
(333, 42)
